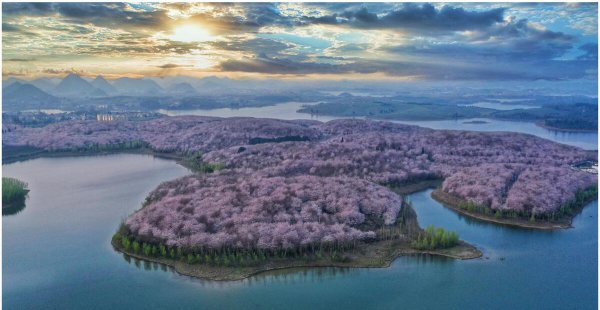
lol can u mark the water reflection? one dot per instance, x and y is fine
(500, 106)
(13, 209)
(302, 275)
(281, 276)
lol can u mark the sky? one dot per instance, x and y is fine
(403, 41)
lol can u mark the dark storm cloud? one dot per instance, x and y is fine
(414, 16)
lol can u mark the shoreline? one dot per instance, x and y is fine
(179, 159)
(451, 202)
(542, 125)
(392, 249)
(410, 188)
(374, 254)
(411, 119)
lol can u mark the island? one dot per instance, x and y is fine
(558, 117)
(271, 194)
(14, 192)
(230, 225)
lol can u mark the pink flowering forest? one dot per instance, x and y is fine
(328, 185)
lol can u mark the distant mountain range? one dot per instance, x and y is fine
(181, 89)
(22, 96)
(101, 84)
(137, 87)
(74, 86)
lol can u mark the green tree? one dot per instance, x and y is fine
(136, 247)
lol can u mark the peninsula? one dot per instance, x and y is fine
(273, 194)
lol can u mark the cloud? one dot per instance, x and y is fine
(424, 17)
(20, 72)
(590, 51)
(254, 45)
(62, 71)
(548, 70)
(28, 9)
(172, 66)
(19, 59)
(433, 41)
(111, 15)
(509, 41)
(9, 28)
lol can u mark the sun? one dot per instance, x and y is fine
(190, 33)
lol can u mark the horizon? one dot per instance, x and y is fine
(472, 42)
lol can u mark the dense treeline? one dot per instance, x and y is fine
(231, 257)
(97, 147)
(13, 191)
(193, 160)
(579, 116)
(435, 238)
(567, 209)
(572, 124)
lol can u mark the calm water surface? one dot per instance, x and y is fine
(287, 111)
(500, 106)
(57, 255)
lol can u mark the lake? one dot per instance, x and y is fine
(287, 111)
(57, 255)
(500, 106)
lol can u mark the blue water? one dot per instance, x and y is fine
(57, 255)
(288, 111)
(500, 106)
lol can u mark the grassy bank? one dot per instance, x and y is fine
(14, 193)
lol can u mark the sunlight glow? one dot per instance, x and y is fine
(190, 33)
